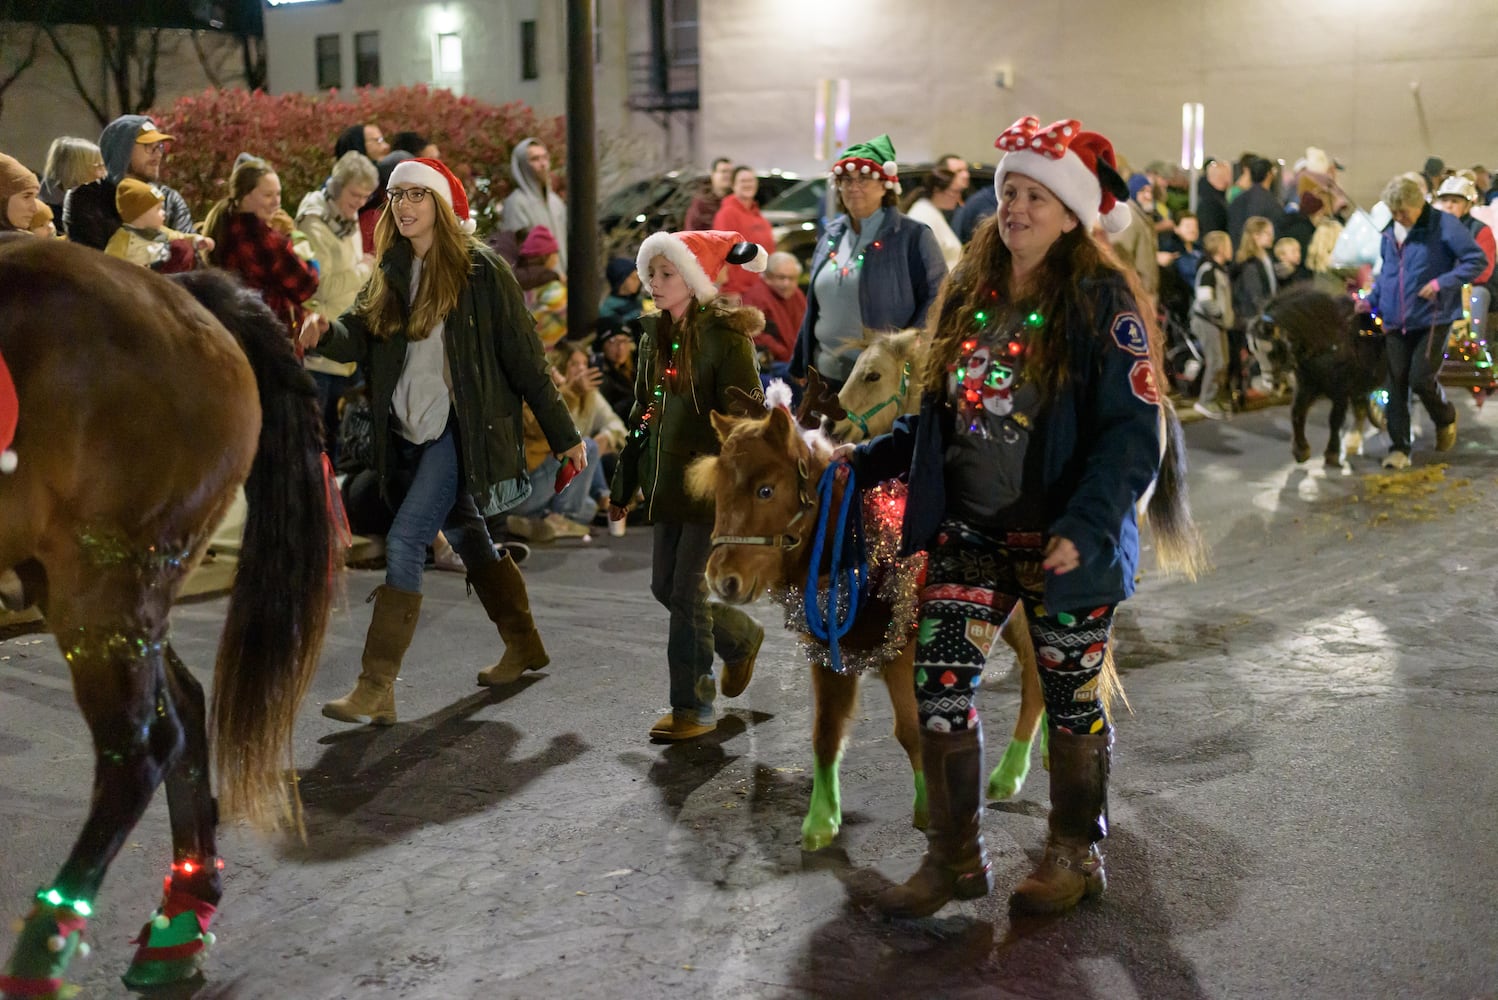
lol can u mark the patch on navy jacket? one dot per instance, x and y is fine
(1142, 382)
(1128, 332)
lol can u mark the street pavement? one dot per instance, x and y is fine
(1303, 797)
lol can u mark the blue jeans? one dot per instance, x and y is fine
(574, 502)
(435, 500)
(698, 628)
(1414, 361)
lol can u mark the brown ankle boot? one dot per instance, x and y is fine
(955, 865)
(390, 631)
(501, 589)
(1073, 864)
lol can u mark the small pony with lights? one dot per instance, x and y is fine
(777, 490)
(132, 408)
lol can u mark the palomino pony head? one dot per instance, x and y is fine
(764, 486)
(883, 385)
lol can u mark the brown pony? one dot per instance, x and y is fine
(764, 486)
(144, 404)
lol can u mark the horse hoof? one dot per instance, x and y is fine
(817, 839)
(1301, 454)
(1332, 461)
(920, 819)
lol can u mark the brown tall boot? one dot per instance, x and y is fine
(1073, 864)
(955, 865)
(390, 631)
(501, 589)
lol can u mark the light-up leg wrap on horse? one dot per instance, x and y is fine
(49, 937)
(174, 942)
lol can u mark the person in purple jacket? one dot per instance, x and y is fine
(1427, 257)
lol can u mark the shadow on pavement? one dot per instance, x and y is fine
(374, 786)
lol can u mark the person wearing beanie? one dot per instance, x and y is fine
(145, 239)
(131, 146)
(1039, 432)
(19, 188)
(614, 345)
(545, 297)
(695, 350)
(739, 213)
(1138, 244)
(533, 202)
(623, 300)
(876, 268)
(450, 354)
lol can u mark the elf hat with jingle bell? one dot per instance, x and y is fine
(699, 256)
(1079, 167)
(875, 158)
(435, 177)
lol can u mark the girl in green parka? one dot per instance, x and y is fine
(695, 349)
(450, 353)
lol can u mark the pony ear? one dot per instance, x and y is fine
(780, 429)
(723, 424)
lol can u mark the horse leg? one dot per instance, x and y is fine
(899, 678)
(174, 942)
(118, 680)
(1006, 779)
(835, 695)
(1334, 453)
(1299, 446)
(1352, 441)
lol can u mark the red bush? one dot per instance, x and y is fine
(296, 133)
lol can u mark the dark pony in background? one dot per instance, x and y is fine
(1332, 351)
(144, 404)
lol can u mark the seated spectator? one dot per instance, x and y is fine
(416, 144)
(614, 347)
(1288, 270)
(545, 515)
(593, 415)
(624, 299)
(779, 296)
(245, 243)
(18, 190)
(42, 223)
(70, 162)
(145, 239)
(131, 146)
(546, 300)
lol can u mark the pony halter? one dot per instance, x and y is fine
(785, 540)
(862, 419)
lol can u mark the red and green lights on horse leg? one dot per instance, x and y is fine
(48, 938)
(173, 942)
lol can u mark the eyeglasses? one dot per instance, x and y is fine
(414, 195)
(858, 180)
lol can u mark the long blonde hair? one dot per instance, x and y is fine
(246, 177)
(444, 274)
(1249, 248)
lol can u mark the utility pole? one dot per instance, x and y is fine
(582, 174)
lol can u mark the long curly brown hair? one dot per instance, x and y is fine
(981, 284)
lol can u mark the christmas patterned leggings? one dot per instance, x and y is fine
(973, 582)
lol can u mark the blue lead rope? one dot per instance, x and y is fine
(849, 568)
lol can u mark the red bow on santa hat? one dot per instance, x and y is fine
(1051, 141)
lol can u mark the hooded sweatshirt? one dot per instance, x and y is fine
(528, 205)
(89, 215)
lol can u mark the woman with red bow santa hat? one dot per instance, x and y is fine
(1040, 432)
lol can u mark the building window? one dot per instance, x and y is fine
(329, 62)
(681, 32)
(450, 54)
(528, 67)
(367, 59)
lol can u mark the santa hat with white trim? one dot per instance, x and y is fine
(875, 157)
(699, 255)
(1079, 167)
(10, 410)
(434, 176)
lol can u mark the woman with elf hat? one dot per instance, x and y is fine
(1038, 434)
(449, 352)
(694, 350)
(876, 269)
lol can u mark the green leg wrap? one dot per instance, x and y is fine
(920, 814)
(825, 816)
(49, 938)
(1045, 742)
(1009, 776)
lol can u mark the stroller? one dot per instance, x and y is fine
(1183, 356)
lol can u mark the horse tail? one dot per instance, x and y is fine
(283, 590)
(1178, 544)
(1109, 685)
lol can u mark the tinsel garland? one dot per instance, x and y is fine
(895, 582)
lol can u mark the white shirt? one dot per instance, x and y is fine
(423, 394)
(951, 247)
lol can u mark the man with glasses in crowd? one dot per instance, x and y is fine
(132, 146)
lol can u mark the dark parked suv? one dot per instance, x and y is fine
(660, 201)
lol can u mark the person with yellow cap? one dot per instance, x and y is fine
(145, 238)
(132, 146)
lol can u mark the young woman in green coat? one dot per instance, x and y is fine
(695, 349)
(450, 353)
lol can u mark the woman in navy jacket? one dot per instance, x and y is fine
(1038, 435)
(1428, 256)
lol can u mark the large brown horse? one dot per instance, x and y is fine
(144, 405)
